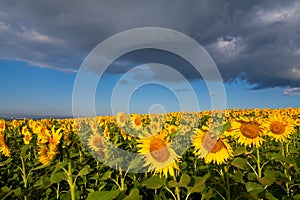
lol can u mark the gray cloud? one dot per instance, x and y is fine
(292, 91)
(253, 41)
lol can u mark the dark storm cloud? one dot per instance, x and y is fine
(253, 41)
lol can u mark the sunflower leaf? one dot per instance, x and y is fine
(154, 182)
(199, 183)
(185, 180)
(85, 170)
(239, 163)
(58, 177)
(107, 195)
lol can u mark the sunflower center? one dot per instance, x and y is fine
(250, 130)
(209, 142)
(27, 137)
(138, 121)
(97, 142)
(277, 127)
(158, 150)
(122, 118)
(212, 145)
(218, 146)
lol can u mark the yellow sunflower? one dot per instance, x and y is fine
(215, 150)
(248, 131)
(297, 122)
(47, 155)
(2, 124)
(27, 138)
(55, 137)
(3, 147)
(96, 142)
(121, 119)
(158, 154)
(279, 127)
(136, 122)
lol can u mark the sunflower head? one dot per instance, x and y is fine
(158, 154)
(96, 142)
(212, 149)
(27, 138)
(248, 130)
(2, 124)
(279, 127)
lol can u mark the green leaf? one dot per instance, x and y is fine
(239, 151)
(5, 189)
(226, 126)
(173, 183)
(199, 183)
(18, 191)
(58, 177)
(136, 163)
(237, 177)
(250, 186)
(25, 149)
(5, 162)
(239, 163)
(38, 183)
(85, 170)
(133, 195)
(106, 176)
(103, 195)
(268, 179)
(65, 196)
(185, 180)
(154, 182)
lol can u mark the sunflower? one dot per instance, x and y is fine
(3, 147)
(297, 122)
(27, 137)
(95, 142)
(55, 136)
(279, 127)
(2, 124)
(215, 150)
(121, 119)
(136, 122)
(47, 155)
(248, 131)
(158, 154)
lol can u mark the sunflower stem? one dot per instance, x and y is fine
(70, 181)
(171, 192)
(258, 163)
(177, 193)
(24, 176)
(226, 178)
(284, 152)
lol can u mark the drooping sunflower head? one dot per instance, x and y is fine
(158, 154)
(279, 127)
(249, 131)
(46, 155)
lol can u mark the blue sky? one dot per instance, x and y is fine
(41, 91)
(255, 46)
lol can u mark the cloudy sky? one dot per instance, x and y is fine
(255, 45)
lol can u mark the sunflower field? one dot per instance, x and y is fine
(219, 154)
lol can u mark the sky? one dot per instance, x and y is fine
(255, 46)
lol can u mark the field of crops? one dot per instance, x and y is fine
(231, 154)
